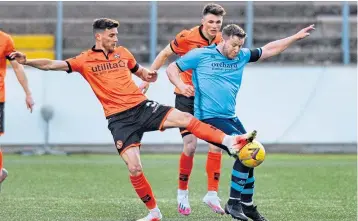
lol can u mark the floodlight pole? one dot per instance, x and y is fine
(59, 35)
(153, 30)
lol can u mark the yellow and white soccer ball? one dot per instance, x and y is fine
(252, 154)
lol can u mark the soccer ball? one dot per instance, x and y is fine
(252, 154)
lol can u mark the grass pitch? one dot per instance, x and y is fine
(97, 187)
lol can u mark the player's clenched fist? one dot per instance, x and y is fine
(186, 90)
(150, 75)
(20, 57)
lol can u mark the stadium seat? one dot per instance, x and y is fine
(35, 46)
(34, 42)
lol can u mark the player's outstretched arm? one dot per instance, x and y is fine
(173, 73)
(159, 61)
(42, 64)
(21, 77)
(161, 58)
(276, 47)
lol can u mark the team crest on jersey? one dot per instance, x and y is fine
(116, 56)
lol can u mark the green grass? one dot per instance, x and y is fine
(97, 187)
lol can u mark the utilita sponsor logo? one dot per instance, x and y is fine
(108, 66)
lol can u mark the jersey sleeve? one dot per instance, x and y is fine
(132, 62)
(251, 55)
(190, 60)
(10, 47)
(75, 64)
(179, 45)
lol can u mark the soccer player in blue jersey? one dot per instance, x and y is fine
(217, 75)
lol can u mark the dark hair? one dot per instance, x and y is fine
(233, 30)
(101, 24)
(214, 9)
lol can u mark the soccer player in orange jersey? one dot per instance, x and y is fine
(6, 48)
(107, 68)
(200, 36)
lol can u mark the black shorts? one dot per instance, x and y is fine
(129, 126)
(2, 119)
(185, 104)
(230, 126)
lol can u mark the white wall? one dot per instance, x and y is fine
(286, 104)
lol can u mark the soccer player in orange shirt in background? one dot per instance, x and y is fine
(6, 48)
(200, 36)
(108, 68)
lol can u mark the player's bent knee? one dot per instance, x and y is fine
(186, 118)
(177, 118)
(135, 169)
(190, 142)
(189, 149)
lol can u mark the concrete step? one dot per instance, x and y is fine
(32, 26)
(284, 9)
(262, 26)
(194, 9)
(301, 9)
(312, 56)
(78, 33)
(27, 10)
(91, 10)
(83, 27)
(333, 8)
(325, 26)
(320, 43)
(332, 25)
(114, 10)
